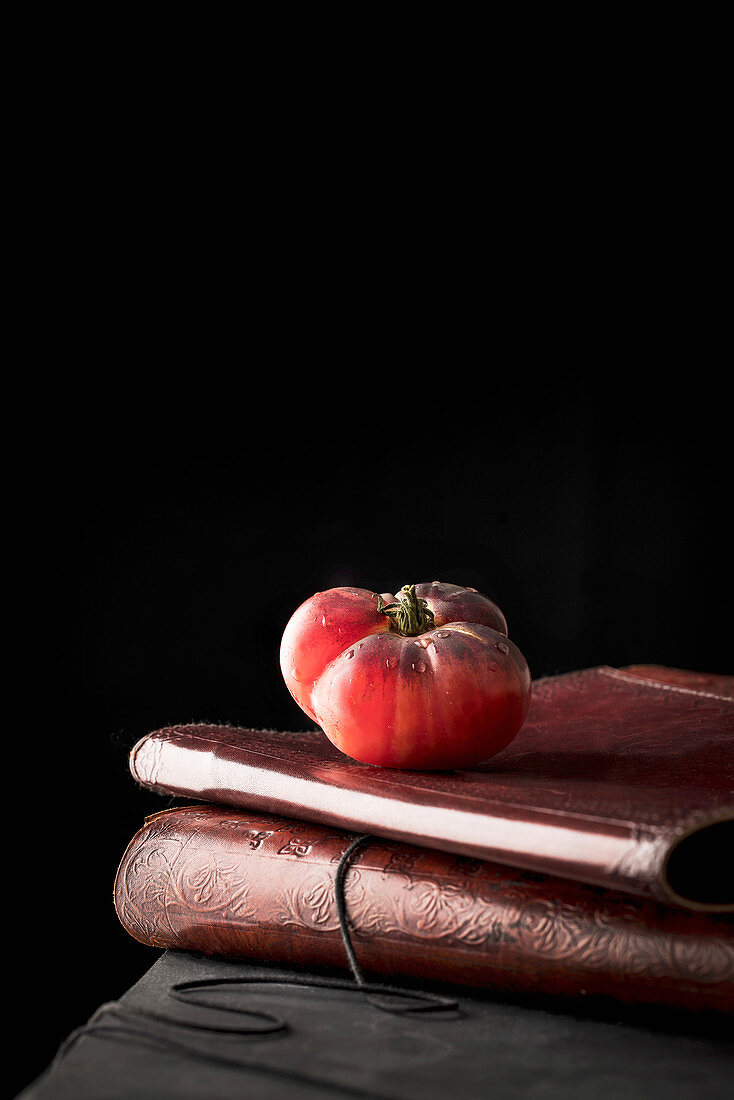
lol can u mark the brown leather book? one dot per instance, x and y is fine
(255, 886)
(622, 778)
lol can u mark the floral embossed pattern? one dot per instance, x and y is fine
(262, 886)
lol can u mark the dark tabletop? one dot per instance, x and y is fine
(326, 1041)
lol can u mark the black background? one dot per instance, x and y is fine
(172, 543)
(253, 366)
(271, 341)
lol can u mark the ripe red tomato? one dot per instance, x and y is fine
(429, 680)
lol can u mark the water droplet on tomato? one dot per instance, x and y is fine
(502, 647)
(323, 620)
(443, 633)
(419, 666)
(350, 653)
(387, 663)
(491, 667)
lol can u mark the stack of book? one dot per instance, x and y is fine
(594, 857)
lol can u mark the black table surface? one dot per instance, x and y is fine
(336, 1042)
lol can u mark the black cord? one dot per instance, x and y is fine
(384, 997)
(425, 1002)
(341, 903)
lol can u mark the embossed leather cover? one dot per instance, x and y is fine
(256, 886)
(623, 778)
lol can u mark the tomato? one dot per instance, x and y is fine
(428, 680)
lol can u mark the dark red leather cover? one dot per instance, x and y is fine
(612, 769)
(248, 885)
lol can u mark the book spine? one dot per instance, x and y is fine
(256, 886)
(603, 853)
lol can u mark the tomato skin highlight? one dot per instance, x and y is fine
(449, 697)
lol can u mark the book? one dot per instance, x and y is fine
(621, 778)
(259, 887)
(156, 1042)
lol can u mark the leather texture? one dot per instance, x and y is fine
(261, 887)
(612, 769)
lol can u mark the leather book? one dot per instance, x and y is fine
(620, 778)
(260, 887)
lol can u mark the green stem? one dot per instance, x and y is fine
(409, 616)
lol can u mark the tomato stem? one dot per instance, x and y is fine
(410, 615)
